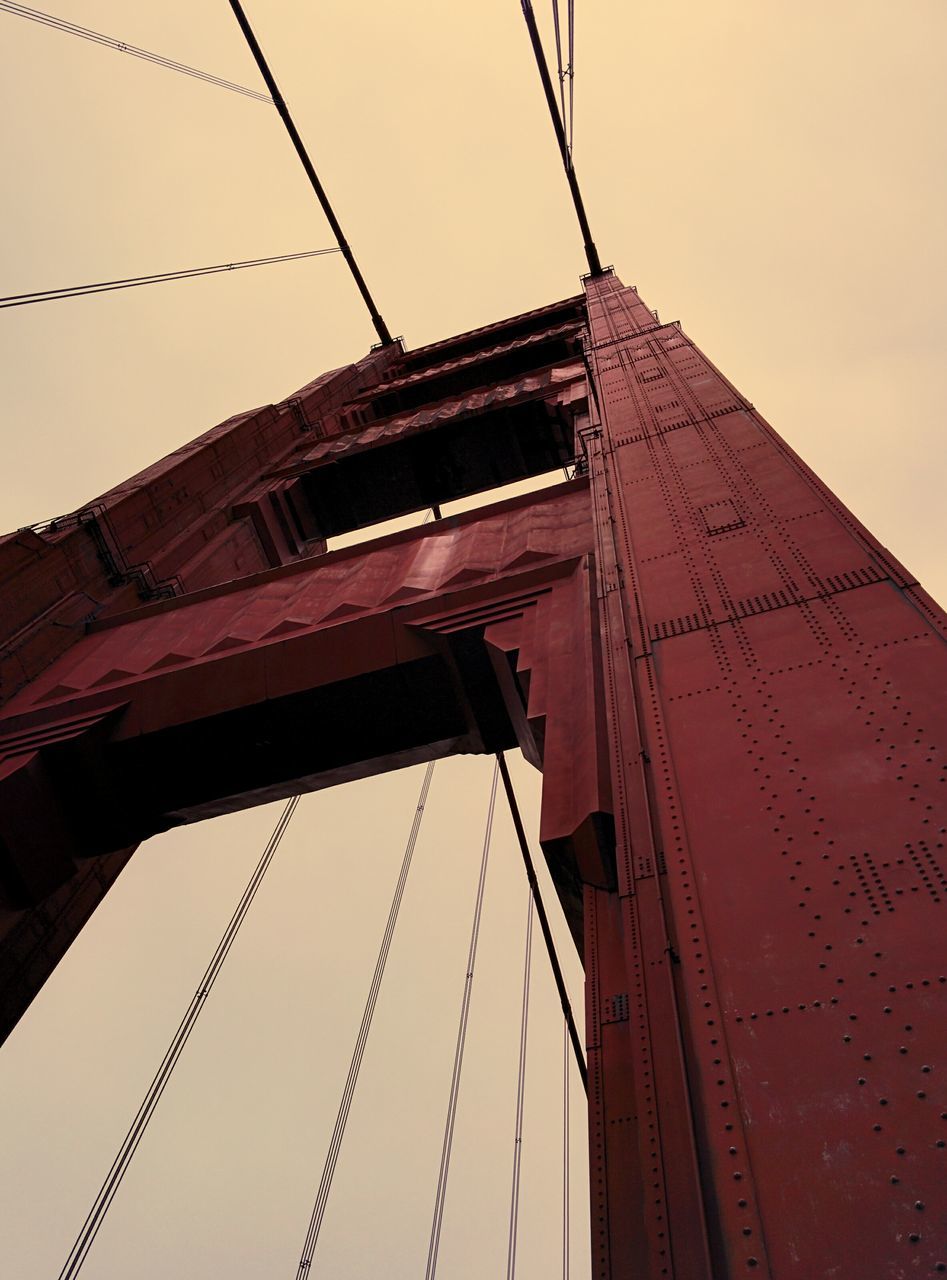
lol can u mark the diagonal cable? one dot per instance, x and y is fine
(384, 336)
(136, 1131)
(543, 920)
(135, 282)
(591, 253)
(520, 1097)
(110, 42)
(335, 1143)
(443, 1172)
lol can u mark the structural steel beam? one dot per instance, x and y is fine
(733, 691)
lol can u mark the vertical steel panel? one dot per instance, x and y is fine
(788, 683)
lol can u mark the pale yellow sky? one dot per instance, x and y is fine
(771, 174)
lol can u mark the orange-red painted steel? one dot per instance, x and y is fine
(733, 691)
(778, 729)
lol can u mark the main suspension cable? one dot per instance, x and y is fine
(135, 282)
(543, 920)
(136, 1130)
(440, 1197)
(520, 1097)
(591, 253)
(335, 1143)
(278, 101)
(72, 29)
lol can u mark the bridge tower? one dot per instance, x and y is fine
(734, 694)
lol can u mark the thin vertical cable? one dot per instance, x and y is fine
(565, 1150)
(136, 1131)
(570, 72)
(335, 1144)
(520, 1097)
(591, 253)
(562, 75)
(439, 1199)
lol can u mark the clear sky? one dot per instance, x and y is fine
(771, 174)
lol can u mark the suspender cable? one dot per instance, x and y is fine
(591, 253)
(520, 1097)
(135, 282)
(559, 67)
(444, 1170)
(96, 37)
(136, 1130)
(335, 1144)
(567, 71)
(543, 920)
(380, 327)
(570, 71)
(565, 1150)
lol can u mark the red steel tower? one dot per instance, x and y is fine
(733, 691)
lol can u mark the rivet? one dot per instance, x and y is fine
(918, 1204)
